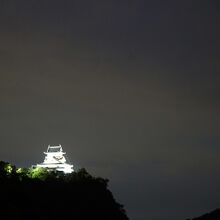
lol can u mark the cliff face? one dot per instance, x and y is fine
(56, 196)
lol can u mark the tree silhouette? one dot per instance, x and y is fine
(37, 193)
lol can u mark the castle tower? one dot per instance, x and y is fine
(55, 160)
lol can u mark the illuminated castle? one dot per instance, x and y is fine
(55, 160)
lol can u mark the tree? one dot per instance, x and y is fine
(7, 170)
(38, 173)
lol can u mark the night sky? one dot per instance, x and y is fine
(130, 89)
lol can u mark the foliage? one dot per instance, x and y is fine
(38, 173)
(77, 195)
(7, 170)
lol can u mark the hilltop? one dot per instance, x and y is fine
(35, 193)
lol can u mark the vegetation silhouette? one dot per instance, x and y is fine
(35, 193)
(214, 215)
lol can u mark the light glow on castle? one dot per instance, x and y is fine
(55, 160)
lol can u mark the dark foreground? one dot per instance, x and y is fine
(36, 194)
(214, 215)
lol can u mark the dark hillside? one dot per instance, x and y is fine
(38, 194)
(214, 215)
